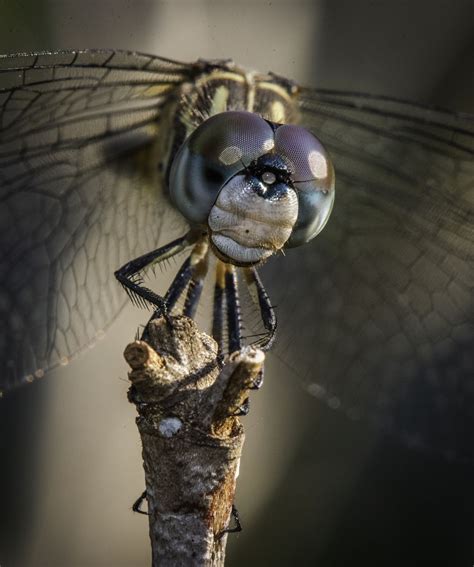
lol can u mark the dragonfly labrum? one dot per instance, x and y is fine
(114, 159)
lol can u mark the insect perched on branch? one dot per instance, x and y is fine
(108, 155)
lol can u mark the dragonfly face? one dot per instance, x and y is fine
(90, 158)
(257, 185)
(228, 157)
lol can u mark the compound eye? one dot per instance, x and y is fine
(312, 174)
(232, 137)
(219, 148)
(306, 157)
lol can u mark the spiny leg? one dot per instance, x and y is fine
(174, 292)
(193, 269)
(200, 264)
(129, 274)
(262, 301)
(191, 274)
(226, 302)
(218, 307)
(178, 285)
(234, 330)
(234, 327)
(137, 505)
(237, 525)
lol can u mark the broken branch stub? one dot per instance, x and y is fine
(191, 438)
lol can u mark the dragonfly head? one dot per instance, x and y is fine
(258, 186)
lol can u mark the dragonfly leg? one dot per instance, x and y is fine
(257, 383)
(237, 527)
(234, 329)
(191, 275)
(178, 285)
(226, 303)
(234, 326)
(262, 301)
(137, 505)
(218, 308)
(200, 264)
(243, 409)
(130, 278)
(174, 292)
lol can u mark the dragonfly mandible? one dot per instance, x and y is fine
(382, 297)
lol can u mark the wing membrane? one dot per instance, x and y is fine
(79, 195)
(384, 294)
(388, 314)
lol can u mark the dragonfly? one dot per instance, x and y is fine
(113, 160)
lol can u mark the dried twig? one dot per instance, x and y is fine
(192, 440)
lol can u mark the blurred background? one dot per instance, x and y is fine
(314, 487)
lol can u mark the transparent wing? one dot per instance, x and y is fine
(383, 298)
(79, 195)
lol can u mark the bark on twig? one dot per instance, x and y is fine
(191, 439)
